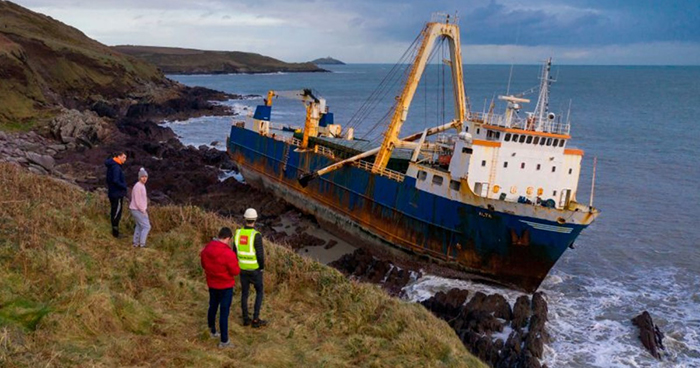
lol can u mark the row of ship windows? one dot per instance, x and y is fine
(522, 166)
(438, 180)
(523, 138)
(455, 184)
(526, 138)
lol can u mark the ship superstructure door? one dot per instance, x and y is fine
(565, 198)
(481, 189)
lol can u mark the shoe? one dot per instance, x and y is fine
(246, 321)
(214, 334)
(136, 245)
(226, 344)
(115, 232)
(257, 323)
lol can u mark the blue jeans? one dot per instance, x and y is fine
(219, 297)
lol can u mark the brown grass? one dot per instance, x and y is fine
(71, 295)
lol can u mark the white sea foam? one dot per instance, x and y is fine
(590, 320)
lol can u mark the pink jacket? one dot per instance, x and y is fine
(139, 199)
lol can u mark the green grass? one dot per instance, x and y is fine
(71, 295)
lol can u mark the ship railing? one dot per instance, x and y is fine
(391, 174)
(439, 17)
(517, 122)
(324, 151)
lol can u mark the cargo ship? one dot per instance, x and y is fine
(493, 195)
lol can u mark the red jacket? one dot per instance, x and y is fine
(220, 265)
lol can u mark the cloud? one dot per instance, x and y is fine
(380, 30)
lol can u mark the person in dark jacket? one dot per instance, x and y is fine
(220, 266)
(116, 188)
(251, 257)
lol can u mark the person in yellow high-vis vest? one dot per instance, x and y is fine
(251, 258)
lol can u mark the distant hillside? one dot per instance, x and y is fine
(328, 61)
(45, 64)
(190, 61)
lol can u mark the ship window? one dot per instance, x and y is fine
(488, 133)
(529, 139)
(561, 143)
(507, 137)
(537, 140)
(478, 131)
(505, 164)
(437, 180)
(467, 150)
(454, 185)
(554, 168)
(538, 166)
(483, 162)
(466, 128)
(556, 143)
(570, 171)
(522, 139)
(422, 175)
(515, 137)
(549, 141)
(498, 135)
(542, 141)
(554, 193)
(522, 165)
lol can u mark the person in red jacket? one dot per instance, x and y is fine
(220, 266)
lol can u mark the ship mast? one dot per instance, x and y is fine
(431, 32)
(543, 100)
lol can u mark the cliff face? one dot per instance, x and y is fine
(45, 65)
(173, 60)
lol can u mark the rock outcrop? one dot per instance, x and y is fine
(650, 334)
(479, 319)
(363, 266)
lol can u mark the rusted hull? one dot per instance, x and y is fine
(515, 251)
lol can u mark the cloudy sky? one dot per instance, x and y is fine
(611, 32)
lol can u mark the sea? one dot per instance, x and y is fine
(640, 123)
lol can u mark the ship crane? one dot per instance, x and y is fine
(318, 121)
(431, 33)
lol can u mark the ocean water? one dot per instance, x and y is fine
(642, 253)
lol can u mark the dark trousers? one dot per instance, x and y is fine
(116, 211)
(219, 298)
(256, 278)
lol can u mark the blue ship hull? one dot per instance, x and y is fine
(513, 250)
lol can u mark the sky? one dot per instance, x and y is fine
(580, 32)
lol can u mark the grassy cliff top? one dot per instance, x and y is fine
(71, 295)
(173, 60)
(45, 64)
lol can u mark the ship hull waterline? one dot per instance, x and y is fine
(509, 249)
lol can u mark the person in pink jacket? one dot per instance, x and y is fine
(139, 207)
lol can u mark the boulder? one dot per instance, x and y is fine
(47, 162)
(521, 312)
(650, 334)
(73, 126)
(497, 305)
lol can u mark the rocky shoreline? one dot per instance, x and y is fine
(74, 145)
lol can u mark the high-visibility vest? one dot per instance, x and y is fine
(245, 249)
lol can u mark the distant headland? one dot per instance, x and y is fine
(172, 60)
(327, 61)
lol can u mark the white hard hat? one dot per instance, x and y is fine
(250, 214)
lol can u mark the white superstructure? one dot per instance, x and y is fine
(509, 157)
